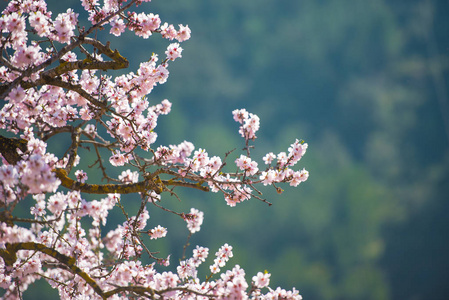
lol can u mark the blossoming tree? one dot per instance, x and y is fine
(53, 82)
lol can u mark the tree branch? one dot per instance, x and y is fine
(150, 183)
(9, 255)
(139, 187)
(118, 61)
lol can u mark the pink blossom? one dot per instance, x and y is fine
(250, 123)
(148, 138)
(186, 269)
(153, 22)
(125, 130)
(261, 280)
(37, 175)
(57, 203)
(183, 150)
(158, 232)
(296, 151)
(90, 129)
(26, 56)
(166, 280)
(225, 252)
(17, 94)
(283, 294)
(89, 82)
(142, 219)
(236, 287)
(232, 199)
(299, 177)
(240, 115)
(268, 177)
(199, 255)
(154, 197)
(39, 209)
(81, 176)
(161, 74)
(166, 261)
(15, 23)
(201, 157)
(40, 23)
(118, 159)
(173, 51)
(168, 31)
(86, 114)
(128, 176)
(89, 4)
(282, 158)
(165, 107)
(8, 175)
(214, 269)
(73, 199)
(194, 220)
(268, 158)
(145, 25)
(183, 33)
(215, 163)
(163, 154)
(117, 27)
(249, 128)
(64, 26)
(246, 164)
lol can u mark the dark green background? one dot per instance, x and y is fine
(365, 84)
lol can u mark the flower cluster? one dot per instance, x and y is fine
(250, 123)
(281, 172)
(34, 171)
(56, 94)
(194, 220)
(222, 257)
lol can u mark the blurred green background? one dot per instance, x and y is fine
(365, 83)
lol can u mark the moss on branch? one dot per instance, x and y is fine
(121, 188)
(149, 184)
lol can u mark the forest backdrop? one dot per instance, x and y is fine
(365, 83)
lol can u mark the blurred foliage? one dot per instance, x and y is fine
(365, 84)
